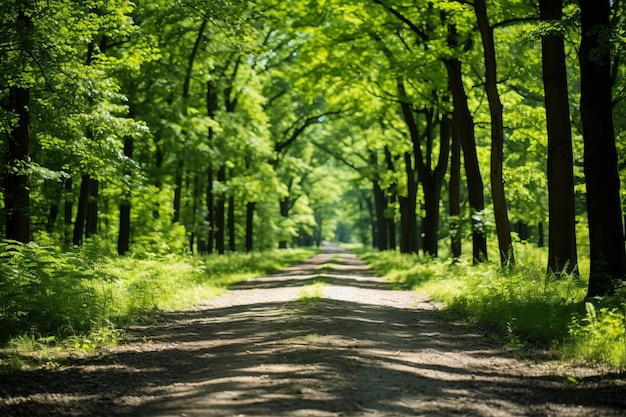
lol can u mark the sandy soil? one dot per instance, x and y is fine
(361, 349)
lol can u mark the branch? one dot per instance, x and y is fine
(404, 19)
(514, 21)
(338, 157)
(280, 146)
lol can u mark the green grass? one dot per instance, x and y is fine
(55, 299)
(312, 292)
(526, 306)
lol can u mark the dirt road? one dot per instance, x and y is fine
(359, 349)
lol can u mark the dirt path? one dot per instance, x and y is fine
(359, 350)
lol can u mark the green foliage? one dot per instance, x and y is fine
(313, 292)
(83, 296)
(525, 305)
(599, 335)
(44, 290)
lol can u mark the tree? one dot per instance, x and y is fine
(606, 235)
(503, 229)
(16, 166)
(464, 124)
(562, 254)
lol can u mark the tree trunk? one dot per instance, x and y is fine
(503, 227)
(430, 179)
(454, 193)
(606, 237)
(409, 229)
(220, 214)
(194, 209)
(562, 255)
(81, 211)
(91, 223)
(17, 156)
(123, 241)
(16, 167)
(465, 124)
(392, 195)
(210, 205)
(380, 204)
(212, 105)
(391, 225)
(53, 214)
(285, 205)
(372, 219)
(178, 189)
(250, 207)
(68, 197)
(522, 231)
(232, 246)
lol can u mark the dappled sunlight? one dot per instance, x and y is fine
(358, 349)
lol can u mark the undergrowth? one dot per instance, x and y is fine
(528, 307)
(82, 297)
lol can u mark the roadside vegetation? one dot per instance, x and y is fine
(530, 310)
(83, 298)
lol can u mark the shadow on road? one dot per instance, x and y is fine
(282, 356)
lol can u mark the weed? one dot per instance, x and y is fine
(313, 292)
(527, 305)
(80, 298)
(599, 335)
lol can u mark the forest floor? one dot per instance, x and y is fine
(282, 346)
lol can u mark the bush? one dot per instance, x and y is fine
(84, 293)
(598, 336)
(43, 290)
(525, 304)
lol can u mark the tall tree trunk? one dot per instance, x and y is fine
(17, 154)
(465, 124)
(606, 237)
(210, 205)
(454, 193)
(17, 166)
(194, 209)
(250, 207)
(212, 105)
(232, 246)
(432, 184)
(180, 165)
(68, 197)
(178, 189)
(391, 198)
(220, 214)
(430, 179)
(562, 255)
(284, 205)
(372, 219)
(380, 204)
(81, 211)
(91, 223)
(503, 227)
(409, 229)
(123, 240)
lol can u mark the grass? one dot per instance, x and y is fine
(312, 292)
(527, 307)
(55, 300)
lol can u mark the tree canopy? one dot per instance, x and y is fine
(220, 126)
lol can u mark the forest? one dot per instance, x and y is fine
(148, 141)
